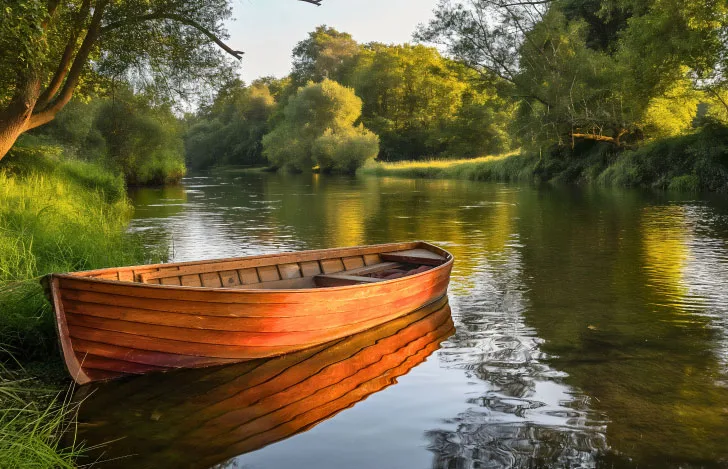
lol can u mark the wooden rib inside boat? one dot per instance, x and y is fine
(200, 418)
(134, 320)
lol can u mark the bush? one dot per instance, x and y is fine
(318, 129)
(346, 151)
(144, 143)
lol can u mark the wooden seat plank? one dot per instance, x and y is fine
(340, 280)
(414, 256)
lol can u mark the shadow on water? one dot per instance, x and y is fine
(591, 325)
(201, 418)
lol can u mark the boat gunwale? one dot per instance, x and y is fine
(449, 259)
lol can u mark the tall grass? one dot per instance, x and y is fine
(506, 167)
(32, 419)
(55, 216)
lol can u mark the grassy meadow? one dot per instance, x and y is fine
(56, 215)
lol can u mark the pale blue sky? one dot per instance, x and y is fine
(267, 30)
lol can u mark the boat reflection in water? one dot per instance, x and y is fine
(202, 417)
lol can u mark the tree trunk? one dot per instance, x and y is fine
(15, 117)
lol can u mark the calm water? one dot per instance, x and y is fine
(591, 329)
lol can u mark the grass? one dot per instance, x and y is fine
(32, 419)
(56, 215)
(506, 167)
(689, 163)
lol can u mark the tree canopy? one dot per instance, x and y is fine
(46, 48)
(318, 130)
(590, 70)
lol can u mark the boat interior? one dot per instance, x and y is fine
(287, 272)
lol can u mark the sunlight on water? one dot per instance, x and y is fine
(591, 326)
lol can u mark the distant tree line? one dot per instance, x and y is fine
(345, 103)
(549, 75)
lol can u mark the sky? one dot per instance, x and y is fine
(267, 30)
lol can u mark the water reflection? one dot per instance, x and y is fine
(200, 418)
(592, 325)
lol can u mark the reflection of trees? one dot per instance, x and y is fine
(609, 290)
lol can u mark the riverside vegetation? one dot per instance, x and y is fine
(56, 214)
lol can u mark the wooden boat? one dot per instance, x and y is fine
(200, 418)
(133, 320)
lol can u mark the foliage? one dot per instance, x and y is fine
(231, 129)
(420, 103)
(599, 70)
(326, 53)
(55, 216)
(688, 163)
(144, 142)
(318, 129)
(32, 421)
(505, 167)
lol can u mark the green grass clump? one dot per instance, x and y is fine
(33, 417)
(70, 218)
(507, 167)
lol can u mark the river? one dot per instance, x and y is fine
(591, 325)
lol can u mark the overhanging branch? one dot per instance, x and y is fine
(187, 21)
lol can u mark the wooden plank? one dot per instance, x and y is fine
(339, 280)
(330, 266)
(230, 278)
(268, 259)
(170, 281)
(239, 324)
(211, 280)
(268, 273)
(353, 262)
(414, 256)
(248, 276)
(289, 271)
(370, 259)
(370, 269)
(300, 283)
(191, 280)
(311, 268)
(294, 302)
(126, 276)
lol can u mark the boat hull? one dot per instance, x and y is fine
(109, 327)
(200, 418)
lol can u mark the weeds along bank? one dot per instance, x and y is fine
(693, 162)
(55, 216)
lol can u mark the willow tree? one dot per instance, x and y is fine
(50, 48)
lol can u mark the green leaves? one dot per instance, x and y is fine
(318, 130)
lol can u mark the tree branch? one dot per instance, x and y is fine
(187, 21)
(92, 34)
(66, 58)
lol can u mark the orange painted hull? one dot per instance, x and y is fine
(134, 320)
(199, 418)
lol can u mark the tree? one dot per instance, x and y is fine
(144, 142)
(326, 53)
(318, 130)
(230, 131)
(413, 99)
(46, 47)
(584, 70)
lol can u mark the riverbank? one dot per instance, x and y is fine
(56, 215)
(692, 163)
